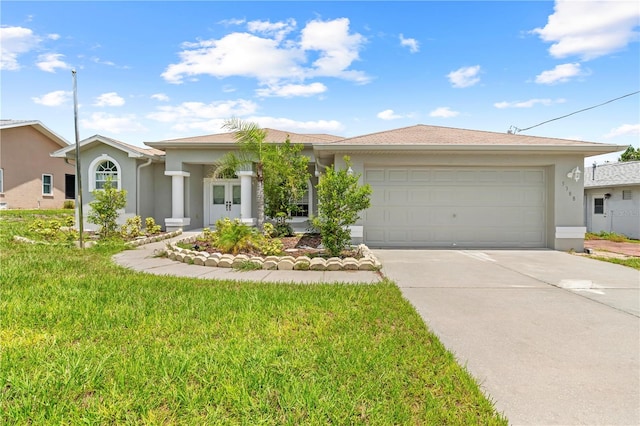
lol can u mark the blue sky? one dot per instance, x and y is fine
(150, 71)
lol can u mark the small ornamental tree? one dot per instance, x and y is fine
(340, 199)
(104, 209)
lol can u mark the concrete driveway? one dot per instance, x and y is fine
(552, 338)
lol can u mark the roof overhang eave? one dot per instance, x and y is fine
(585, 150)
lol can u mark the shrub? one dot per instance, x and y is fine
(340, 199)
(233, 236)
(54, 230)
(150, 226)
(132, 228)
(104, 209)
(270, 246)
(69, 205)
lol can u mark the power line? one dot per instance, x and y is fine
(514, 129)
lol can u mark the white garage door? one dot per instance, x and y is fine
(455, 207)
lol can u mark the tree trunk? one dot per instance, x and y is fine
(260, 195)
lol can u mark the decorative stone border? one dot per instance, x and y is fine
(153, 239)
(368, 262)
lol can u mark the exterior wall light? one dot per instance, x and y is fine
(350, 171)
(575, 174)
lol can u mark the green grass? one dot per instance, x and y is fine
(631, 262)
(86, 341)
(611, 236)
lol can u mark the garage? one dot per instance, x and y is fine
(465, 207)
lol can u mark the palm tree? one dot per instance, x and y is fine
(251, 150)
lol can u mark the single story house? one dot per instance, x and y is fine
(612, 198)
(29, 177)
(432, 186)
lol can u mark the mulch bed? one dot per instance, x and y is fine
(296, 246)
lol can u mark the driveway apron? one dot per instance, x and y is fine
(551, 337)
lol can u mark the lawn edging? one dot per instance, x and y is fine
(367, 261)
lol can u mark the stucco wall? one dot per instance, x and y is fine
(127, 179)
(621, 216)
(24, 158)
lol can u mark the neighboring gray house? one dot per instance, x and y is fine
(432, 186)
(612, 198)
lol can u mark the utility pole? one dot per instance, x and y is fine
(78, 169)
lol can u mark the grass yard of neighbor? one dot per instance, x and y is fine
(83, 340)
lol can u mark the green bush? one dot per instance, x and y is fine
(132, 228)
(150, 226)
(69, 205)
(104, 209)
(340, 199)
(54, 230)
(233, 236)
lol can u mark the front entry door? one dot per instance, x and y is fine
(225, 201)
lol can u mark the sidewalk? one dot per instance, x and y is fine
(143, 259)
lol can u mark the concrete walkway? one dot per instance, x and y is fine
(144, 259)
(553, 338)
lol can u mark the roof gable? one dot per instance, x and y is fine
(131, 150)
(37, 125)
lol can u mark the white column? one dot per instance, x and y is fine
(246, 196)
(177, 219)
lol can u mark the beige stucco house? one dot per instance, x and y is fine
(29, 177)
(432, 186)
(612, 198)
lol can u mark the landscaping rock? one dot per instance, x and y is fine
(318, 264)
(199, 260)
(286, 263)
(366, 265)
(239, 260)
(211, 261)
(302, 263)
(334, 264)
(350, 264)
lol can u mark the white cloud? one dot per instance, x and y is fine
(528, 104)
(388, 114)
(276, 29)
(443, 112)
(160, 97)
(291, 90)
(411, 43)
(624, 130)
(108, 123)
(318, 126)
(270, 58)
(53, 36)
(464, 77)
(109, 99)
(560, 74)
(15, 41)
(590, 29)
(337, 48)
(50, 61)
(56, 98)
(198, 115)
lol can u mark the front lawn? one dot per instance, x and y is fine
(86, 341)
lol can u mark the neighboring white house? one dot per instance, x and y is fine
(432, 186)
(612, 198)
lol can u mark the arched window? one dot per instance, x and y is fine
(102, 169)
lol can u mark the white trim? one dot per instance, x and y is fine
(50, 193)
(92, 171)
(177, 173)
(1, 180)
(570, 231)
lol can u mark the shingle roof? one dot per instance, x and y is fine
(273, 135)
(612, 174)
(146, 151)
(435, 135)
